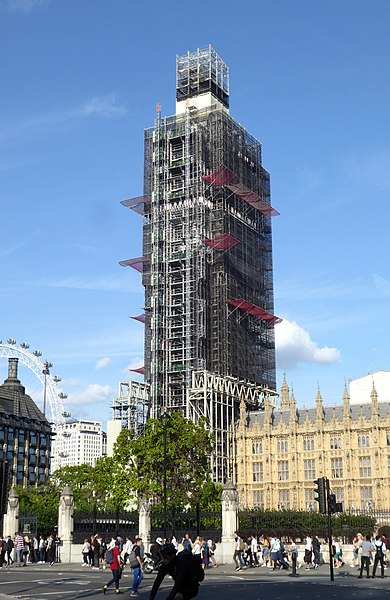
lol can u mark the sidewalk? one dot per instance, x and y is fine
(228, 568)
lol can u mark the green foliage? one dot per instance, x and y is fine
(188, 447)
(298, 524)
(136, 470)
(41, 502)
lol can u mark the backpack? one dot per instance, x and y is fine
(379, 551)
(133, 562)
(213, 546)
(109, 557)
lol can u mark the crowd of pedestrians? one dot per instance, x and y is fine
(270, 551)
(21, 550)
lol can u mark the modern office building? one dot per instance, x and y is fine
(281, 452)
(77, 443)
(207, 258)
(25, 434)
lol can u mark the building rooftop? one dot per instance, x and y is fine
(14, 400)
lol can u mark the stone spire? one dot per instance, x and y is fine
(293, 408)
(267, 411)
(374, 401)
(243, 412)
(346, 404)
(284, 394)
(319, 406)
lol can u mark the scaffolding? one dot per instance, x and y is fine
(131, 407)
(207, 251)
(216, 398)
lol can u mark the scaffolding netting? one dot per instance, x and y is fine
(254, 310)
(222, 176)
(135, 263)
(225, 241)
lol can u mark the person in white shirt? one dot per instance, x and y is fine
(255, 560)
(367, 547)
(380, 556)
(308, 552)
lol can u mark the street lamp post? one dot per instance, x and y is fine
(46, 366)
(164, 418)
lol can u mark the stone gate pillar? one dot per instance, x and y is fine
(225, 552)
(11, 519)
(65, 524)
(144, 527)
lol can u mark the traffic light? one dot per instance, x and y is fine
(321, 494)
(334, 507)
(4, 481)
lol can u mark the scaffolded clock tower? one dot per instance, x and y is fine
(207, 258)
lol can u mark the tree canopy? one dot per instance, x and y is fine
(188, 448)
(135, 470)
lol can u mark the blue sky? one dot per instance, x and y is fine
(80, 81)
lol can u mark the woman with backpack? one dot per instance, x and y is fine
(113, 558)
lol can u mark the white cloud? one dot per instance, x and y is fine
(295, 346)
(93, 393)
(39, 124)
(25, 6)
(102, 363)
(107, 283)
(382, 285)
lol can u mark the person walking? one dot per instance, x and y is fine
(367, 547)
(186, 571)
(19, 546)
(380, 554)
(138, 575)
(115, 567)
(42, 550)
(85, 552)
(51, 550)
(10, 547)
(316, 551)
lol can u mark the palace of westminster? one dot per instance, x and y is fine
(279, 453)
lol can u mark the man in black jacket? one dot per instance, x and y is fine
(184, 568)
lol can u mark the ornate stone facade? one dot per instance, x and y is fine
(281, 452)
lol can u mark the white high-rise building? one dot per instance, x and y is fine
(77, 443)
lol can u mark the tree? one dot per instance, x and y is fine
(139, 462)
(41, 502)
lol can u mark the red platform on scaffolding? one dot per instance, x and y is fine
(254, 310)
(222, 242)
(140, 318)
(135, 263)
(141, 370)
(222, 176)
(137, 204)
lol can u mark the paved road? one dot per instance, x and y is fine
(64, 582)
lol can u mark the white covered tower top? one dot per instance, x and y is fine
(202, 77)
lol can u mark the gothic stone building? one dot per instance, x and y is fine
(281, 452)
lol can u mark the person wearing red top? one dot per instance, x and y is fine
(116, 569)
